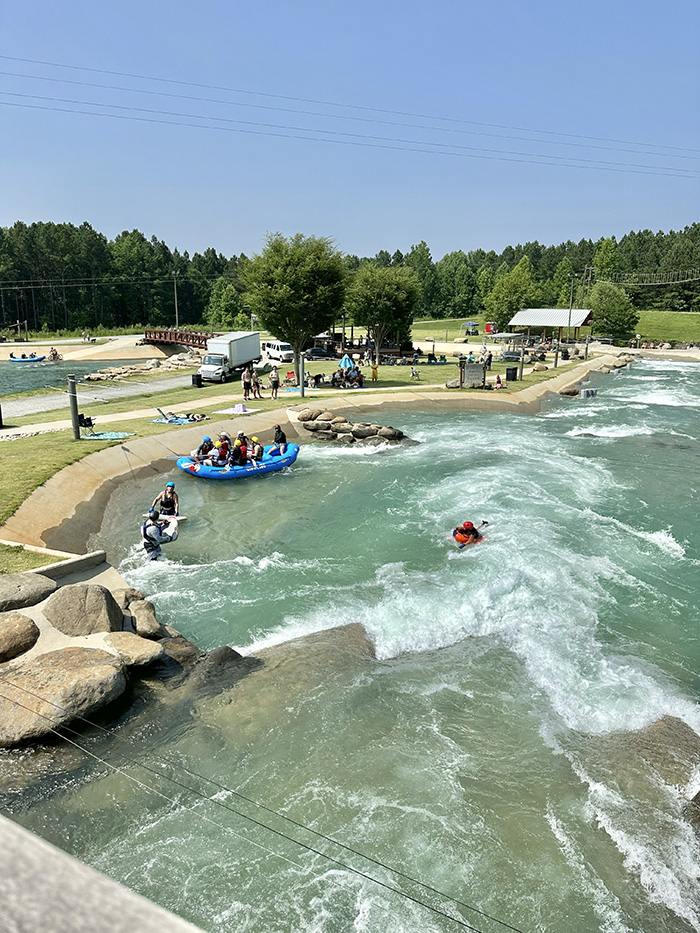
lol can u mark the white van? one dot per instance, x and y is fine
(278, 350)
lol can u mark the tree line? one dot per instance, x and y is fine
(67, 277)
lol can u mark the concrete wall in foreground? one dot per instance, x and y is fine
(43, 889)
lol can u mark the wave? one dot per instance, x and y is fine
(610, 431)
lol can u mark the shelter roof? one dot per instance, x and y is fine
(551, 317)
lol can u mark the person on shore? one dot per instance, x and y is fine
(274, 380)
(167, 500)
(280, 442)
(203, 452)
(489, 360)
(498, 384)
(466, 533)
(255, 382)
(154, 534)
(246, 383)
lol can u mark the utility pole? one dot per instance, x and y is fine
(177, 317)
(573, 276)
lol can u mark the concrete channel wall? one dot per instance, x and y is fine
(46, 891)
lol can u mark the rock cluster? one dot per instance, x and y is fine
(171, 364)
(325, 425)
(69, 651)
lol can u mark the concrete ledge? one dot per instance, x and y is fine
(76, 563)
(45, 889)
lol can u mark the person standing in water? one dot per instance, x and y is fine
(167, 500)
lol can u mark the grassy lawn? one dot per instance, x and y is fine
(17, 559)
(669, 325)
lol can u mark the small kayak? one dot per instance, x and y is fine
(27, 359)
(270, 463)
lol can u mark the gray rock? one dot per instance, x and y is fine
(605, 370)
(83, 609)
(341, 427)
(339, 419)
(17, 635)
(452, 384)
(144, 619)
(569, 390)
(317, 425)
(126, 596)
(391, 434)
(217, 660)
(308, 414)
(540, 368)
(71, 682)
(134, 650)
(374, 441)
(619, 364)
(363, 430)
(325, 416)
(345, 439)
(19, 590)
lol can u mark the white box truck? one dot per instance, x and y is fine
(228, 353)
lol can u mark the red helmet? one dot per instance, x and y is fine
(468, 525)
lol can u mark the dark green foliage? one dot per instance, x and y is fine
(383, 299)
(612, 310)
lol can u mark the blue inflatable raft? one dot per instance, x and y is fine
(268, 464)
(27, 359)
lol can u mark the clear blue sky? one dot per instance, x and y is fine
(602, 71)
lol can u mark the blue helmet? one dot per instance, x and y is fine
(207, 438)
(171, 483)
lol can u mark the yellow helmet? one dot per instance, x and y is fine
(237, 443)
(255, 439)
(217, 444)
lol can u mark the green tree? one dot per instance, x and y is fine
(457, 285)
(561, 281)
(224, 306)
(606, 261)
(420, 260)
(384, 299)
(513, 291)
(612, 310)
(295, 287)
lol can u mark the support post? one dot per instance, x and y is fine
(522, 363)
(177, 316)
(73, 399)
(301, 375)
(556, 355)
(588, 340)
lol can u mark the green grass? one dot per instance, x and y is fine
(669, 325)
(15, 559)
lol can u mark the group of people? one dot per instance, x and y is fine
(240, 452)
(350, 378)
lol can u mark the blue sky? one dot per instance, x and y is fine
(546, 82)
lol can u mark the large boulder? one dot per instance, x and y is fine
(339, 419)
(345, 439)
(364, 430)
(569, 390)
(19, 590)
(317, 426)
(540, 368)
(391, 434)
(143, 615)
(55, 688)
(125, 596)
(341, 427)
(17, 635)
(134, 650)
(308, 414)
(325, 416)
(84, 609)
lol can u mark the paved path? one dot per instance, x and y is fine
(90, 392)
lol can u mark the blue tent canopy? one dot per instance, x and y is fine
(346, 363)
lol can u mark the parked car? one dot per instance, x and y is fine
(317, 353)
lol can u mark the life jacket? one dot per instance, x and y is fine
(258, 451)
(460, 537)
(224, 450)
(244, 453)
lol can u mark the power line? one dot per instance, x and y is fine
(326, 103)
(594, 163)
(675, 173)
(335, 116)
(461, 922)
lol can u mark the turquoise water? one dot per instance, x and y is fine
(489, 751)
(27, 377)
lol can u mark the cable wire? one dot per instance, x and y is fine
(336, 116)
(326, 103)
(676, 173)
(272, 811)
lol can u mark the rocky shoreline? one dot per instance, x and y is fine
(329, 426)
(68, 651)
(171, 364)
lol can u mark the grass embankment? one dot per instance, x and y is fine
(15, 559)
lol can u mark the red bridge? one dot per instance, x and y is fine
(185, 338)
